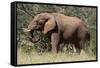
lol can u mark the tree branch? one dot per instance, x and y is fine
(24, 9)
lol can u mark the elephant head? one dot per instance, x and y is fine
(44, 22)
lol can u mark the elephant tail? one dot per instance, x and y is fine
(88, 36)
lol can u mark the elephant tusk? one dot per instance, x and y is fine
(26, 30)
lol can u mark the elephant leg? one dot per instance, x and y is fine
(81, 47)
(73, 48)
(55, 39)
(77, 46)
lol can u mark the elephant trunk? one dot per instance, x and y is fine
(31, 37)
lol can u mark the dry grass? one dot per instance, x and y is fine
(34, 58)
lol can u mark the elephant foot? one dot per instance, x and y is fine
(54, 51)
(83, 53)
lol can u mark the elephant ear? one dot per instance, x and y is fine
(49, 25)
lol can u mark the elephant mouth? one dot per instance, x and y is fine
(34, 36)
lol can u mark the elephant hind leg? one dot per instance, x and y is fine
(77, 47)
(80, 47)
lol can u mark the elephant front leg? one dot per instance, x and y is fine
(55, 42)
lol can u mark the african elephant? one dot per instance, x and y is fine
(63, 28)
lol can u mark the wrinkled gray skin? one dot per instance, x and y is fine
(63, 28)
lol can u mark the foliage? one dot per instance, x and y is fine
(88, 14)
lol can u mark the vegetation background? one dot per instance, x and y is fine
(29, 53)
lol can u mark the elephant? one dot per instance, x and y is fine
(70, 29)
